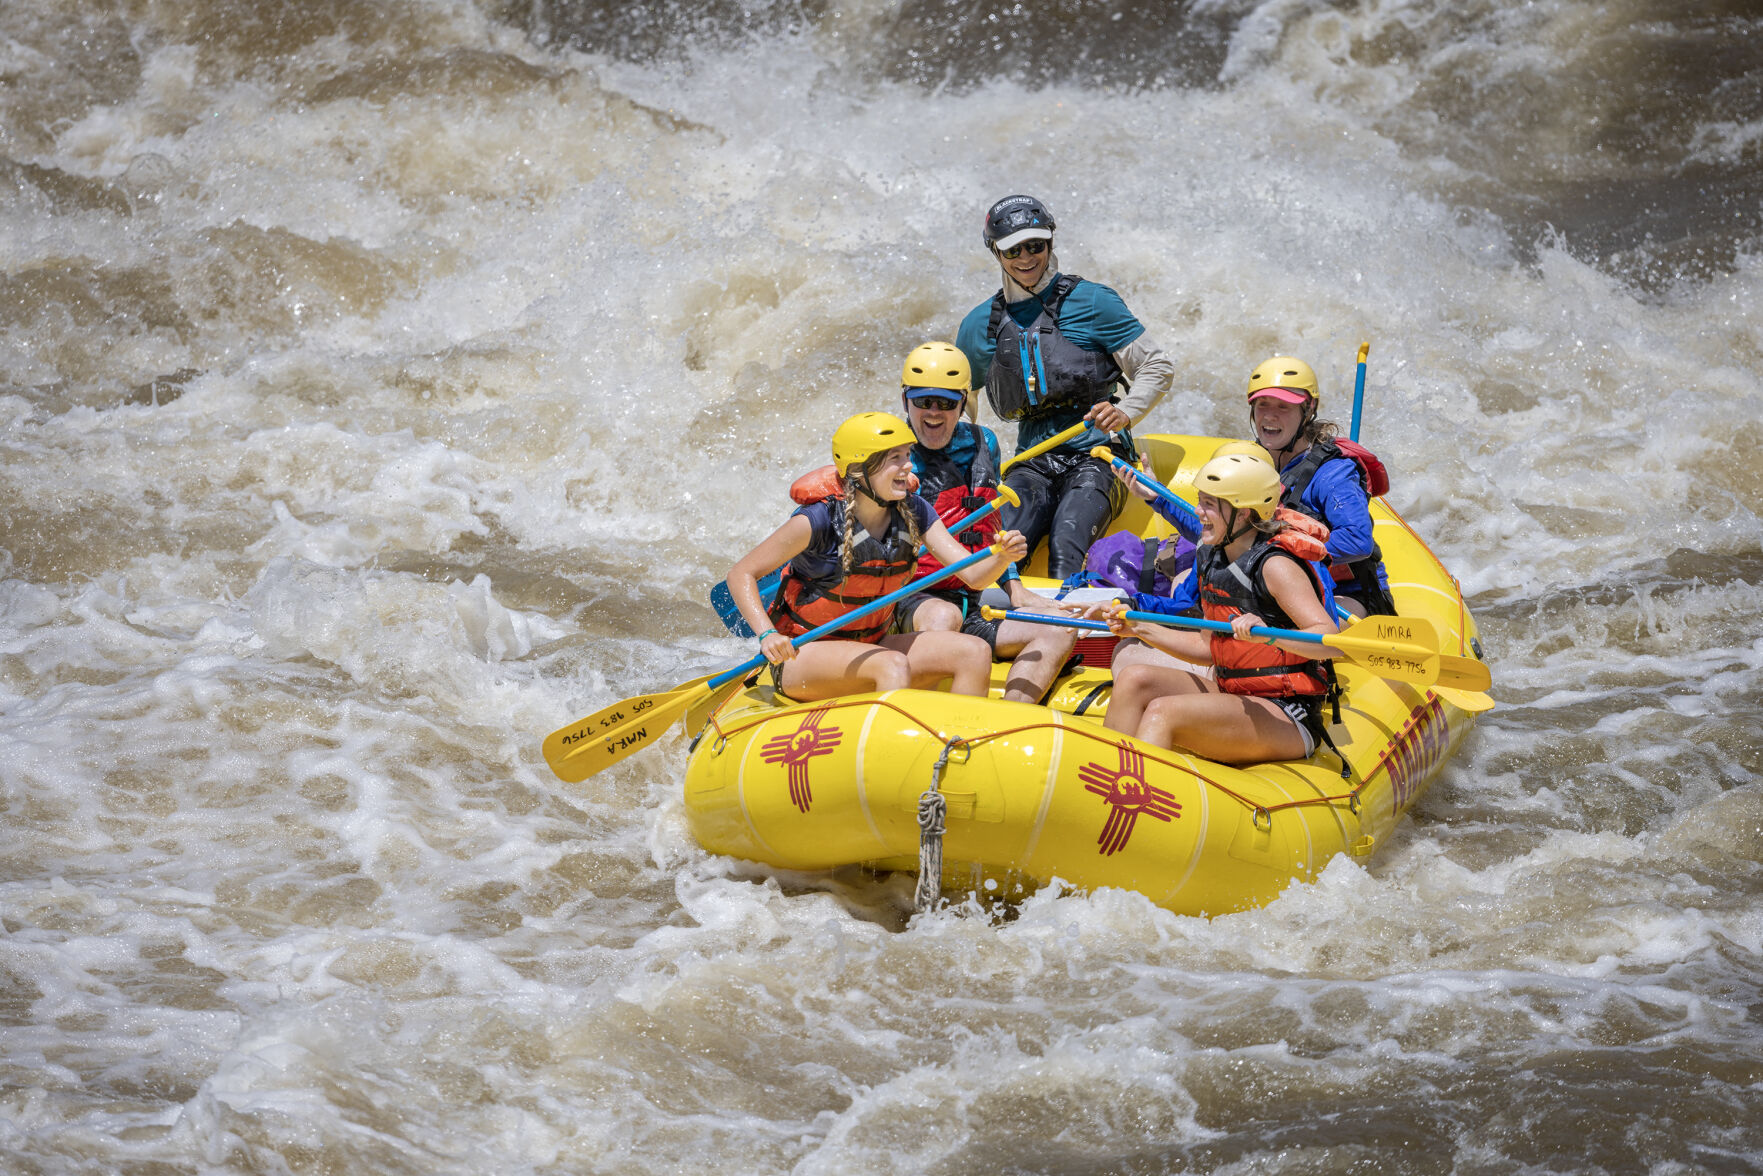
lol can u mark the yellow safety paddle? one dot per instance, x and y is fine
(1473, 701)
(1053, 442)
(1405, 649)
(609, 735)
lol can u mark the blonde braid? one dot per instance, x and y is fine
(910, 518)
(847, 549)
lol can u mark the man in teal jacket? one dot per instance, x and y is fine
(1051, 350)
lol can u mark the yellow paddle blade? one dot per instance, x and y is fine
(1402, 663)
(1472, 701)
(608, 717)
(603, 738)
(1403, 648)
(1464, 673)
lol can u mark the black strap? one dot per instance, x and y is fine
(1148, 567)
(1090, 698)
(1319, 669)
(1050, 303)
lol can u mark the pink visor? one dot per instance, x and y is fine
(1289, 395)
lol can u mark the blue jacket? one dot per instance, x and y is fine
(1335, 496)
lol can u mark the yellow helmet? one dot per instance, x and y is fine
(864, 436)
(1252, 449)
(1284, 373)
(1245, 482)
(937, 365)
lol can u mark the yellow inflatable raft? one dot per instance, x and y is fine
(1036, 793)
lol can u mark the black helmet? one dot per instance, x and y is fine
(1015, 219)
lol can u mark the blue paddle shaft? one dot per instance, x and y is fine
(1358, 392)
(723, 601)
(1165, 619)
(1157, 488)
(858, 614)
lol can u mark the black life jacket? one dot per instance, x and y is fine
(956, 493)
(1036, 369)
(1356, 578)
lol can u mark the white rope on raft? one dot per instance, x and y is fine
(933, 812)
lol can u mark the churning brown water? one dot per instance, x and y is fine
(385, 383)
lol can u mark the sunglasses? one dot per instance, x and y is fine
(1033, 248)
(936, 403)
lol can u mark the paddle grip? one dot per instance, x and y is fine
(1103, 453)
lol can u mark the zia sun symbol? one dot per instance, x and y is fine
(1128, 796)
(794, 751)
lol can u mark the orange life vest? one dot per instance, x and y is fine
(812, 591)
(1227, 590)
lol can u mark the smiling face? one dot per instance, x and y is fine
(1277, 423)
(933, 417)
(889, 474)
(1027, 268)
(1214, 523)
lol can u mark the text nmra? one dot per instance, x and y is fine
(631, 739)
(1390, 628)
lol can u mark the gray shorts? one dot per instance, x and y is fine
(967, 602)
(1306, 713)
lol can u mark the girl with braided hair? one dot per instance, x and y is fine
(845, 550)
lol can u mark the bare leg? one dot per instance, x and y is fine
(936, 616)
(931, 657)
(831, 668)
(1227, 728)
(1137, 687)
(1348, 604)
(1133, 652)
(1036, 654)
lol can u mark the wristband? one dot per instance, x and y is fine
(766, 634)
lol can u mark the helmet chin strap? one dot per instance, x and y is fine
(1231, 534)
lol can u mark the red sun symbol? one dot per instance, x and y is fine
(1128, 796)
(797, 748)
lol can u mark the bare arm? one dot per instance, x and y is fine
(1296, 595)
(773, 552)
(982, 574)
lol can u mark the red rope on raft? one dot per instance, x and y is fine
(1349, 798)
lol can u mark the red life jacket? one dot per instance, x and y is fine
(1228, 590)
(812, 591)
(956, 493)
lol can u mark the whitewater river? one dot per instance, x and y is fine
(385, 383)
